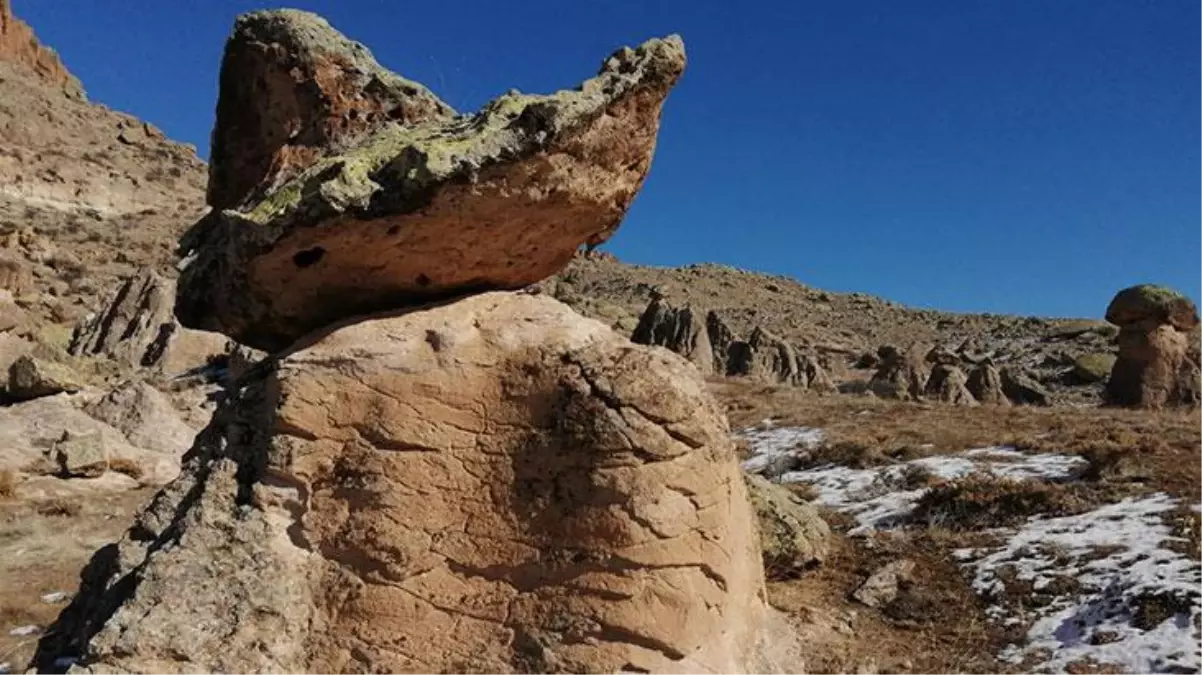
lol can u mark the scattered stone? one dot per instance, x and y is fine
(1023, 389)
(882, 587)
(418, 211)
(31, 377)
(1155, 365)
(22, 631)
(680, 330)
(79, 456)
(793, 537)
(500, 481)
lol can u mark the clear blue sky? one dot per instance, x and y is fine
(1018, 156)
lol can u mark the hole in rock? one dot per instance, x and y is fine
(309, 257)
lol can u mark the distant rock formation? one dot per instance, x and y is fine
(1020, 387)
(948, 384)
(901, 375)
(425, 210)
(680, 330)
(1158, 363)
(20, 47)
(714, 348)
(985, 385)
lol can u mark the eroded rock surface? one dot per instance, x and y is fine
(422, 210)
(901, 375)
(496, 485)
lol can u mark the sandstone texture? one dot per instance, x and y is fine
(425, 206)
(1157, 363)
(495, 485)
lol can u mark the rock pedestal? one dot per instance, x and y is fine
(1157, 364)
(496, 485)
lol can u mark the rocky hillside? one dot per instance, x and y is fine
(87, 194)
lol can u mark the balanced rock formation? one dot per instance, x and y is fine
(494, 485)
(680, 330)
(424, 207)
(1157, 364)
(901, 375)
(291, 88)
(20, 47)
(136, 328)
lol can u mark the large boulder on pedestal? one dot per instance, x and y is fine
(494, 485)
(408, 210)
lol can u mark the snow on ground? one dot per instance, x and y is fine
(1107, 572)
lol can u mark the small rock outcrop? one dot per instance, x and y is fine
(495, 485)
(1093, 367)
(1021, 388)
(680, 330)
(720, 338)
(421, 209)
(793, 536)
(901, 375)
(985, 385)
(136, 328)
(882, 587)
(81, 456)
(1156, 365)
(947, 383)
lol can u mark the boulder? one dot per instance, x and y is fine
(1151, 306)
(882, 587)
(901, 375)
(494, 485)
(793, 537)
(985, 385)
(1020, 387)
(1154, 367)
(31, 377)
(947, 383)
(1093, 367)
(81, 456)
(146, 417)
(423, 211)
(290, 88)
(680, 330)
(137, 329)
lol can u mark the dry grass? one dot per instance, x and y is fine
(982, 501)
(59, 507)
(8, 483)
(126, 466)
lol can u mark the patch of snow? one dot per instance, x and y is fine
(52, 598)
(22, 631)
(1096, 572)
(1115, 556)
(773, 447)
(6, 668)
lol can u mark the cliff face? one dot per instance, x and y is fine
(20, 47)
